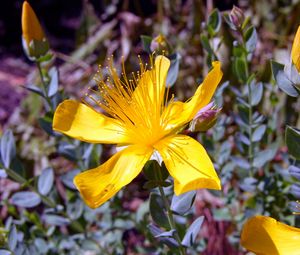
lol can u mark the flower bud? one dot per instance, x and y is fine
(205, 119)
(35, 43)
(295, 172)
(159, 44)
(237, 17)
(296, 50)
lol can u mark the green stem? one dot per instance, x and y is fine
(171, 219)
(44, 85)
(160, 13)
(250, 114)
(18, 178)
(250, 149)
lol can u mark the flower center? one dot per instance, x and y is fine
(137, 102)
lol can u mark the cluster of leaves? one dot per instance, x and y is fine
(46, 214)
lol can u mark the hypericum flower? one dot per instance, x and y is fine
(266, 236)
(34, 40)
(296, 50)
(138, 115)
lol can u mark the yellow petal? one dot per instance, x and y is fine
(266, 236)
(152, 84)
(178, 113)
(83, 123)
(100, 184)
(296, 50)
(188, 163)
(31, 27)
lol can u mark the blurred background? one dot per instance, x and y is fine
(84, 33)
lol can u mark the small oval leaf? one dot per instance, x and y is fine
(45, 181)
(25, 199)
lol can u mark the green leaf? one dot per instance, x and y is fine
(214, 21)
(45, 181)
(265, 156)
(41, 245)
(146, 42)
(241, 69)
(53, 85)
(183, 203)
(251, 39)
(5, 252)
(205, 44)
(56, 220)
(256, 93)
(46, 123)
(259, 133)
(7, 148)
(192, 232)
(174, 69)
(26, 199)
(276, 67)
(35, 90)
(156, 231)
(285, 84)
(12, 238)
(282, 80)
(154, 184)
(292, 139)
(154, 172)
(157, 212)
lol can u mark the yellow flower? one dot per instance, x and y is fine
(296, 50)
(31, 27)
(266, 236)
(138, 115)
(35, 43)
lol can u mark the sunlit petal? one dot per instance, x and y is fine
(266, 236)
(31, 27)
(188, 163)
(83, 123)
(152, 84)
(100, 184)
(178, 113)
(296, 50)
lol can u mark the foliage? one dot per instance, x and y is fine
(254, 141)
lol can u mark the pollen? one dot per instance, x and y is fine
(137, 101)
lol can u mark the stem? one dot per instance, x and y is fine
(171, 219)
(250, 115)
(44, 85)
(18, 178)
(250, 149)
(160, 13)
(42, 76)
